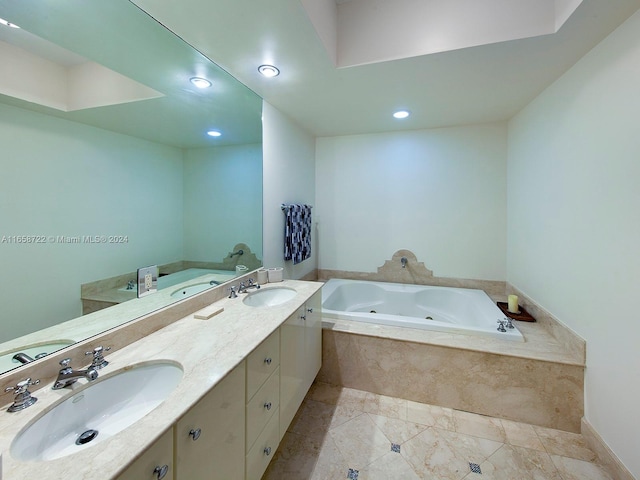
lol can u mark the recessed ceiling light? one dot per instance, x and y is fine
(200, 82)
(8, 24)
(268, 71)
(401, 114)
(214, 133)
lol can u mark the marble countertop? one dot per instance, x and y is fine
(207, 350)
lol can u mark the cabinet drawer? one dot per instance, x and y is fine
(262, 406)
(264, 449)
(158, 456)
(261, 363)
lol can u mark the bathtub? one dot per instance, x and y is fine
(443, 309)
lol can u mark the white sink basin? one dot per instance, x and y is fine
(269, 297)
(105, 406)
(191, 290)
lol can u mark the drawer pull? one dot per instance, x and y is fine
(162, 471)
(267, 451)
(268, 360)
(195, 434)
(310, 310)
(267, 405)
(303, 317)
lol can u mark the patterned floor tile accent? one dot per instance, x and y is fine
(344, 433)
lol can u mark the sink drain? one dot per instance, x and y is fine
(86, 437)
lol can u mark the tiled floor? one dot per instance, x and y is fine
(340, 433)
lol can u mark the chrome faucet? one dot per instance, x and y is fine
(131, 285)
(23, 398)
(98, 361)
(68, 376)
(239, 252)
(403, 261)
(232, 292)
(243, 287)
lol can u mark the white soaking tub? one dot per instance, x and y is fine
(444, 309)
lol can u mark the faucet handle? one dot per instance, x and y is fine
(98, 357)
(64, 363)
(23, 398)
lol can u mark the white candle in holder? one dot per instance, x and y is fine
(513, 304)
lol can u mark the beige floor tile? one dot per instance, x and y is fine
(574, 469)
(386, 406)
(312, 418)
(302, 457)
(566, 444)
(335, 395)
(360, 441)
(396, 430)
(522, 435)
(390, 466)
(479, 426)
(431, 415)
(443, 455)
(511, 463)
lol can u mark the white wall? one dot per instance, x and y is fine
(439, 193)
(222, 187)
(574, 222)
(63, 178)
(288, 156)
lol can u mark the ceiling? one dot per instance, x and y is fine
(477, 84)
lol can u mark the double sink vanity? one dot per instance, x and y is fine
(208, 396)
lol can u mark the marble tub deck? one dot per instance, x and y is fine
(342, 433)
(539, 381)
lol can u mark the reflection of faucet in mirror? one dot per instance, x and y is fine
(131, 285)
(403, 261)
(24, 358)
(239, 252)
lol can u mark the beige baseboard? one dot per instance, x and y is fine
(605, 455)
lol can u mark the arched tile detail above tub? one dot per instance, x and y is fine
(415, 273)
(395, 270)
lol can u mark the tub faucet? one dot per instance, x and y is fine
(403, 261)
(68, 376)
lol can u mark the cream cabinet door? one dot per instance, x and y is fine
(209, 439)
(155, 463)
(313, 338)
(292, 367)
(300, 357)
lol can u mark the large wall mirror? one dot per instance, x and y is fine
(107, 167)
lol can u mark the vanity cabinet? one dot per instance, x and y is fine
(233, 432)
(155, 463)
(210, 438)
(300, 357)
(262, 406)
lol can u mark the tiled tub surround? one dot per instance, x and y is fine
(538, 381)
(346, 433)
(426, 367)
(206, 349)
